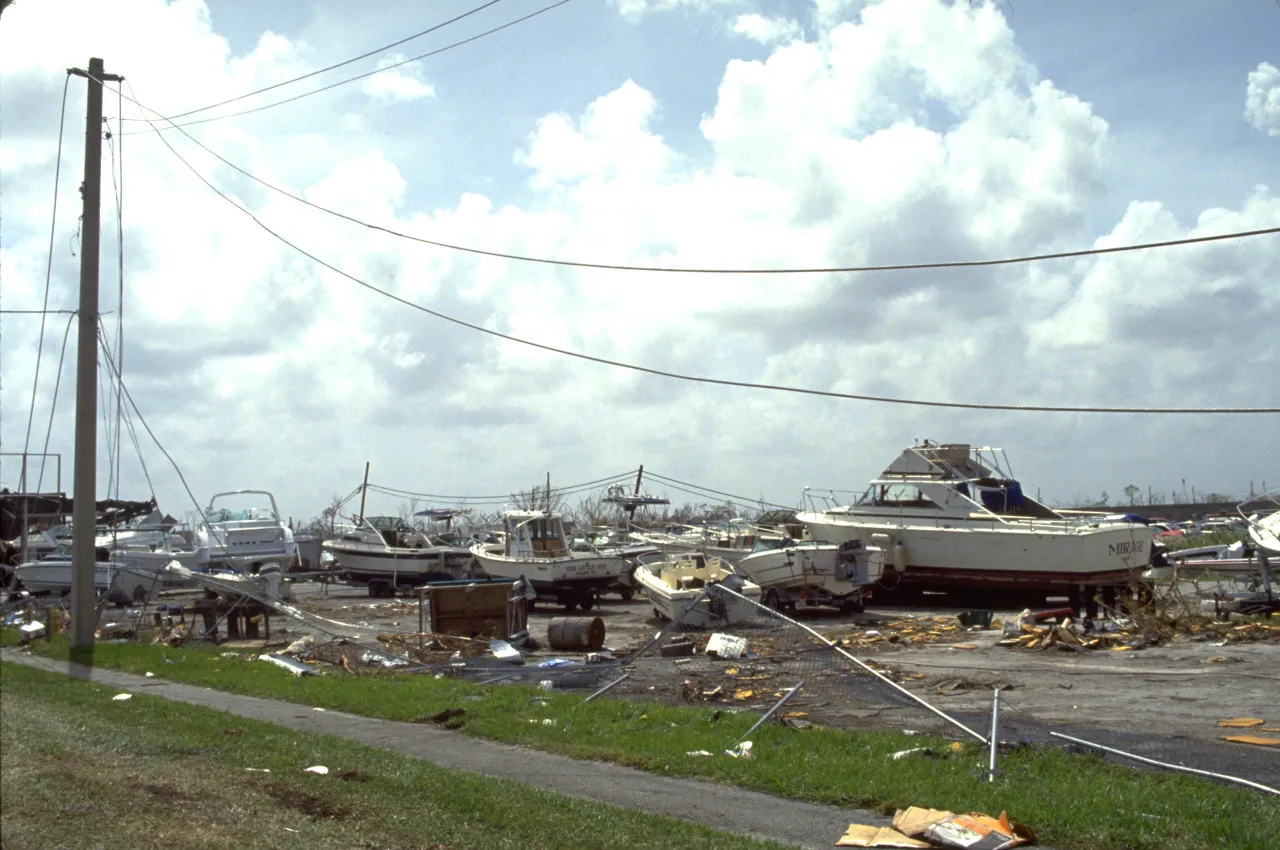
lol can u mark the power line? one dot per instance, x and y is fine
(48, 272)
(378, 70)
(118, 191)
(53, 405)
(578, 264)
(147, 428)
(700, 379)
(673, 481)
(133, 434)
(334, 66)
(504, 496)
(721, 381)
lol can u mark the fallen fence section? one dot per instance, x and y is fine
(1224, 777)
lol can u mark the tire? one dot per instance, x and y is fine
(586, 599)
(626, 593)
(771, 600)
(140, 595)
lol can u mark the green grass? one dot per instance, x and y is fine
(80, 769)
(1073, 802)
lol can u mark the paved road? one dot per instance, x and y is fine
(723, 807)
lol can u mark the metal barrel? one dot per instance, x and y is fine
(586, 633)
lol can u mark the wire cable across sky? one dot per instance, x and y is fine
(380, 69)
(1021, 408)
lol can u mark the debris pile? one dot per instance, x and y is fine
(1138, 630)
(917, 827)
(907, 632)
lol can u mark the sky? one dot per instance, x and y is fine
(667, 133)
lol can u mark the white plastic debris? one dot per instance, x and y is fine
(697, 753)
(257, 770)
(742, 751)
(295, 667)
(383, 659)
(122, 697)
(726, 646)
(149, 674)
(32, 630)
(319, 769)
(298, 645)
(504, 651)
(901, 754)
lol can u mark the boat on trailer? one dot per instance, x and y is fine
(951, 516)
(534, 547)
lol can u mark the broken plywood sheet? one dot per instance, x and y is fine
(1256, 740)
(1241, 722)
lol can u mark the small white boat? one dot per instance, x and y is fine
(246, 537)
(534, 547)
(728, 541)
(52, 574)
(675, 587)
(810, 573)
(384, 553)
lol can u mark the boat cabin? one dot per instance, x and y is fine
(953, 478)
(534, 534)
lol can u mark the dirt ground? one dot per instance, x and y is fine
(1164, 702)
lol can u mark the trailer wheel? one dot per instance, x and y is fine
(626, 593)
(586, 599)
(771, 600)
(852, 606)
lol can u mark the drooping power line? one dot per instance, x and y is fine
(701, 379)
(358, 77)
(621, 267)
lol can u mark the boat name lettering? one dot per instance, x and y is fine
(1128, 547)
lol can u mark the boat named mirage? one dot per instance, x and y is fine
(952, 515)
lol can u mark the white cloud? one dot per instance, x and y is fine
(767, 30)
(914, 131)
(1262, 99)
(399, 85)
(633, 9)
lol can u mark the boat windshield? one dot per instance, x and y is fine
(227, 515)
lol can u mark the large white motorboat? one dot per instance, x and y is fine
(386, 553)
(952, 516)
(239, 538)
(810, 573)
(534, 547)
(675, 585)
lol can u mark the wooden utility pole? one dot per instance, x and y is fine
(84, 515)
(364, 491)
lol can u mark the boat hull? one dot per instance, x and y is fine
(823, 567)
(400, 566)
(577, 570)
(993, 554)
(55, 577)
